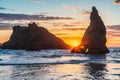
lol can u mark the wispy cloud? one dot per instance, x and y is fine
(51, 13)
(85, 12)
(113, 33)
(3, 8)
(70, 7)
(5, 16)
(73, 8)
(76, 9)
(73, 29)
(114, 27)
(5, 26)
(116, 2)
(114, 30)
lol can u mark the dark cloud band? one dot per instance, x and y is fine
(5, 16)
(3, 8)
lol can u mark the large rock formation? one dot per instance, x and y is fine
(33, 38)
(94, 39)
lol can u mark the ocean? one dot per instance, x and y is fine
(58, 64)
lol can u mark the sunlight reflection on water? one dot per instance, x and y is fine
(86, 71)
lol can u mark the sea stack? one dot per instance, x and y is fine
(94, 39)
(33, 37)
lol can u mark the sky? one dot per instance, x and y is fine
(67, 19)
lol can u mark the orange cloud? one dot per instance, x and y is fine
(116, 2)
(74, 29)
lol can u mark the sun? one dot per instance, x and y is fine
(75, 44)
(72, 42)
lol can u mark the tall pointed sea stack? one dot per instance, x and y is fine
(94, 39)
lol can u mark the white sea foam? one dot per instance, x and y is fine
(58, 65)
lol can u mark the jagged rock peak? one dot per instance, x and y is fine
(94, 14)
(94, 10)
(33, 24)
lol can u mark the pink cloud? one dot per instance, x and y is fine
(76, 9)
(70, 7)
(116, 2)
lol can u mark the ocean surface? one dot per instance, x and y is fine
(58, 65)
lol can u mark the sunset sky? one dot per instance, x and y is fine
(68, 18)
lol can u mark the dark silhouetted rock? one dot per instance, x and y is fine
(33, 38)
(94, 39)
(0, 45)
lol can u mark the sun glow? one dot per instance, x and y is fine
(5, 35)
(75, 45)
